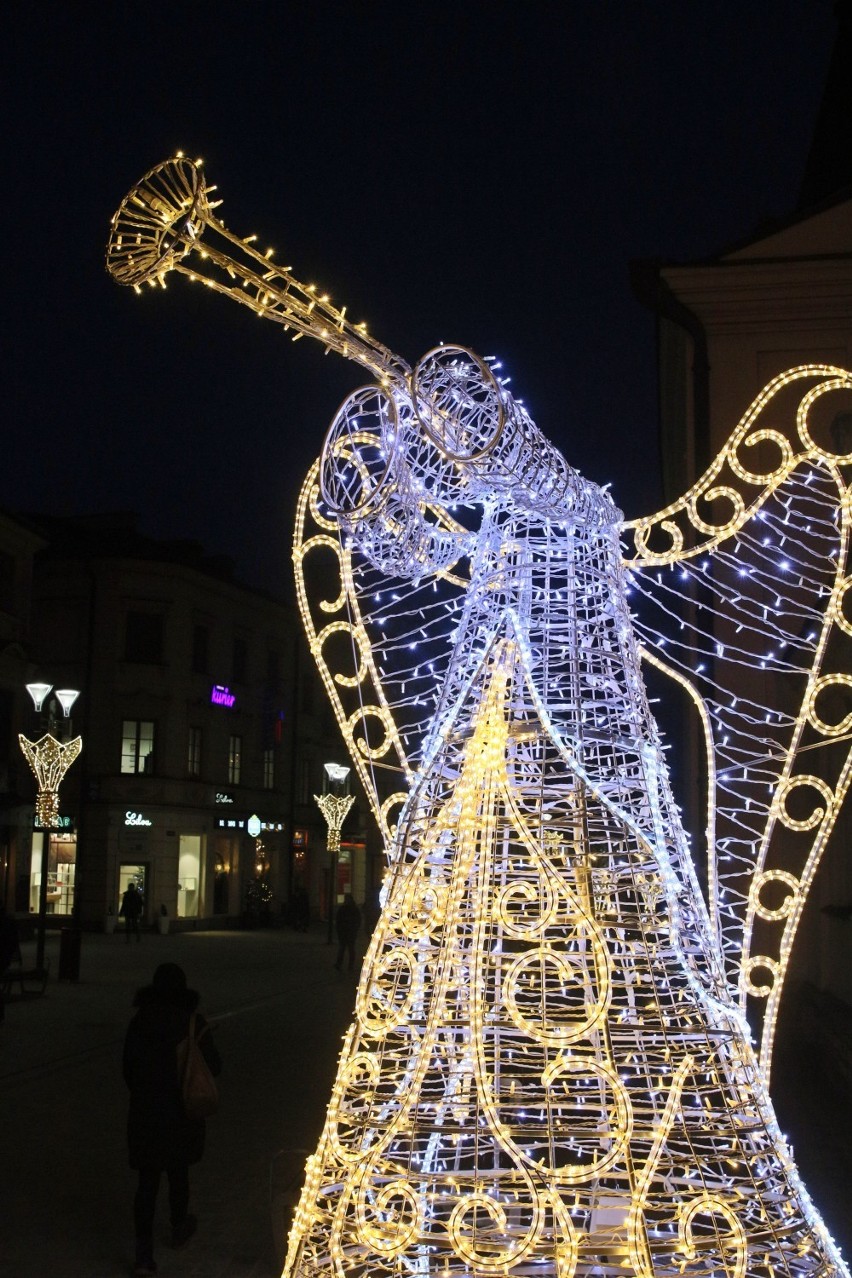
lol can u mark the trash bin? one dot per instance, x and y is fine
(70, 940)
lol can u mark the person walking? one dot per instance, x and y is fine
(348, 922)
(160, 1138)
(131, 911)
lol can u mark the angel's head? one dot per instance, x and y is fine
(404, 465)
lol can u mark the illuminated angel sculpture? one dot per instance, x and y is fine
(550, 1069)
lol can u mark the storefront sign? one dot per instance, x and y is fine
(221, 797)
(135, 818)
(240, 823)
(63, 823)
(221, 696)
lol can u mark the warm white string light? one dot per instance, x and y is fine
(549, 1070)
(50, 760)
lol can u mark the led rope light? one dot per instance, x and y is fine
(549, 1070)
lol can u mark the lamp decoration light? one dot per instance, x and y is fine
(550, 1068)
(38, 692)
(50, 760)
(334, 808)
(66, 698)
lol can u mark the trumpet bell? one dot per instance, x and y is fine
(157, 223)
(458, 402)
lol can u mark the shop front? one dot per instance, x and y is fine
(57, 851)
(137, 873)
(191, 867)
(190, 876)
(164, 854)
(249, 848)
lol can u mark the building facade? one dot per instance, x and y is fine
(204, 737)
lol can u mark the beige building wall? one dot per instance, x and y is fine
(773, 303)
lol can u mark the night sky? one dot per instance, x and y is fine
(463, 172)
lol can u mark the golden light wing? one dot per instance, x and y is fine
(739, 590)
(382, 646)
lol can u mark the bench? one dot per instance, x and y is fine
(31, 981)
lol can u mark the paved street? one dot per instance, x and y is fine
(280, 1011)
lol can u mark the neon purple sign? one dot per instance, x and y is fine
(221, 696)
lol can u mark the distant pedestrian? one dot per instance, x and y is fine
(160, 1137)
(348, 922)
(131, 911)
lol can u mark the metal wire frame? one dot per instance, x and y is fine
(548, 1071)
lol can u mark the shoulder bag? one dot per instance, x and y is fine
(198, 1086)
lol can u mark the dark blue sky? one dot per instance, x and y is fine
(480, 173)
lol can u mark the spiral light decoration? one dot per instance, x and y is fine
(549, 1070)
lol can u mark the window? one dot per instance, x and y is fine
(240, 663)
(200, 649)
(305, 788)
(137, 745)
(235, 749)
(143, 637)
(193, 762)
(269, 769)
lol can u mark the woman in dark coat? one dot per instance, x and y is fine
(160, 1137)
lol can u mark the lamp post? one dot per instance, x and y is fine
(50, 758)
(334, 803)
(259, 892)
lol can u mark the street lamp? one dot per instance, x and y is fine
(334, 803)
(50, 758)
(259, 893)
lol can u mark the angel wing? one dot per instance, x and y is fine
(739, 592)
(382, 645)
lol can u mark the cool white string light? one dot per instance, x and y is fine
(549, 1070)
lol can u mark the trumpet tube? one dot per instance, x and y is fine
(166, 223)
(474, 421)
(482, 438)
